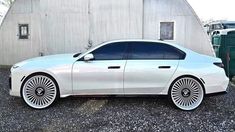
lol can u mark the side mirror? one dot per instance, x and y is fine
(88, 57)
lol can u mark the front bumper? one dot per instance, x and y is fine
(14, 85)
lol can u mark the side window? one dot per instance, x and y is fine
(114, 51)
(213, 27)
(154, 51)
(142, 50)
(172, 53)
(217, 26)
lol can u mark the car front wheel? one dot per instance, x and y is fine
(186, 93)
(39, 91)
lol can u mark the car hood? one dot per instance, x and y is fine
(51, 59)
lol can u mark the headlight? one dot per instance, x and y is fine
(15, 66)
(18, 65)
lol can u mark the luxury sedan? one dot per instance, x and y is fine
(122, 67)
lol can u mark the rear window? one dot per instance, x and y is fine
(154, 51)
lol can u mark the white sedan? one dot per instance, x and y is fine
(123, 67)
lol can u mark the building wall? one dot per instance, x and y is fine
(3, 9)
(188, 28)
(58, 26)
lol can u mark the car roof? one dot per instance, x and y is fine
(143, 40)
(222, 22)
(139, 40)
(224, 31)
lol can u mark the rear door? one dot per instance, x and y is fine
(149, 67)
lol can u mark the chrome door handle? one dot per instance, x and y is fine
(114, 67)
(164, 67)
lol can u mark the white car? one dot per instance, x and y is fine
(122, 67)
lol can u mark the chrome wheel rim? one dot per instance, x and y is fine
(39, 91)
(187, 93)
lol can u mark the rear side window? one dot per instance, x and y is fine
(154, 51)
(114, 51)
(142, 50)
(172, 53)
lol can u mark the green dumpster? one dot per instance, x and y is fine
(232, 60)
(224, 46)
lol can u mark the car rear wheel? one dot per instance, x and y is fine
(186, 93)
(39, 91)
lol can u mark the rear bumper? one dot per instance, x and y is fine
(218, 87)
(215, 94)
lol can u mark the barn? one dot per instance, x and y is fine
(3, 9)
(34, 28)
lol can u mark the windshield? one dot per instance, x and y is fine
(229, 25)
(88, 49)
(76, 55)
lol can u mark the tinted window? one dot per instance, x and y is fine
(150, 50)
(114, 51)
(229, 25)
(172, 53)
(141, 50)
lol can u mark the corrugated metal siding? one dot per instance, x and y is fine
(188, 30)
(58, 26)
(65, 26)
(22, 7)
(114, 19)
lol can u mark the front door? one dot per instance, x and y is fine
(104, 74)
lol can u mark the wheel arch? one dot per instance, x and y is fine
(40, 73)
(200, 80)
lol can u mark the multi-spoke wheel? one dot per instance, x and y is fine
(39, 91)
(186, 93)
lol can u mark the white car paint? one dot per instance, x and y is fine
(94, 76)
(145, 77)
(58, 66)
(134, 77)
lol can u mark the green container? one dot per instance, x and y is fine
(224, 46)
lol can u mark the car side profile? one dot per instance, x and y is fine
(121, 67)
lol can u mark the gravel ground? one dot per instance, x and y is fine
(216, 113)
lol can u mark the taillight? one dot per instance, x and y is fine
(219, 64)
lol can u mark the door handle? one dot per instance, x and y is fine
(114, 67)
(164, 67)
